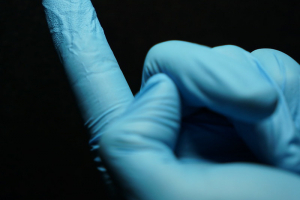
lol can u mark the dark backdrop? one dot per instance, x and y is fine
(43, 145)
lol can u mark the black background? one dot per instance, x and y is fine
(44, 152)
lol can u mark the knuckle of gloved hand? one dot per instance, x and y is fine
(160, 50)
(157, 56)
(280, 66)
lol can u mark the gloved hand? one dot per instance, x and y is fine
(208, 123)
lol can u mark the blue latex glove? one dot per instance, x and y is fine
(208, 123)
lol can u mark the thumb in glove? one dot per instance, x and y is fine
(137, 147)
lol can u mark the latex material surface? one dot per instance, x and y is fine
(203, 115)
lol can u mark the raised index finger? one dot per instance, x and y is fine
(100, 87)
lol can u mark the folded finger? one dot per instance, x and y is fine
(225, 79)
